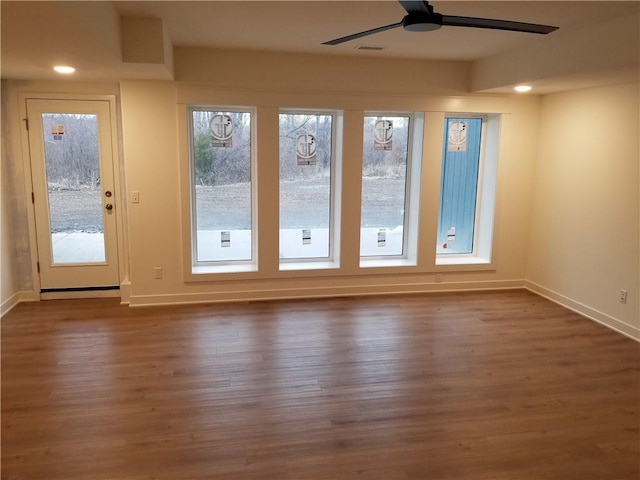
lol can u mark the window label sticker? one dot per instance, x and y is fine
(306, 236)
(451, 234)
(306, 149)
(383, 135)
(221, 126)
(457, 137)
(225, 239)
(57, 131)
(382, 237)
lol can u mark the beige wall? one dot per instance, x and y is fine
(15, 280)
(584, 226)
(571, 159)
(153, 119)
(8, 287)
(290, 72)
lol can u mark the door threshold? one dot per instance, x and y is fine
(82, 292)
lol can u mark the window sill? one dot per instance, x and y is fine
(386, 262)
(297, 266)
(215, 269)
(461, 260)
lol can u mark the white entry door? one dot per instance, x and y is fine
(73, 194)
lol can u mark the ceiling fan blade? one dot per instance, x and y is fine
(340, 40)
(416, 7)
(453, 21)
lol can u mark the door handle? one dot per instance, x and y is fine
(109, 207)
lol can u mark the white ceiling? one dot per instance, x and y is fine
(302, 26)
(36, 35)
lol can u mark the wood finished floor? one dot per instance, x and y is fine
(471, 386)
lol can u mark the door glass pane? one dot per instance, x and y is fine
(73, 187)
(305, 185)
(221, 155)
(384, 185)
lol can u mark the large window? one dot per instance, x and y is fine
(306, 206)
(459, 189)
(220, 230)
(467, 192)
(221, 156)
(384, 185)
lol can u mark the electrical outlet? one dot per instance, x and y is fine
(623, 296)
(135, 197)
(438, 277)
(157, 273)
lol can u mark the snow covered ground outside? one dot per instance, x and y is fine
(292, 245)
(77, 221)
(77, 247)
(82, 247)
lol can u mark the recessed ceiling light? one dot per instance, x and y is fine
(64, 69)
(522, 88)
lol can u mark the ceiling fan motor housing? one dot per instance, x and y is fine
(422, 22)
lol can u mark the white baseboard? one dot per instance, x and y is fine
(26, 296)
(584, 310)
(357, 290)
(125, 292)
(14, 300)
(320, 292)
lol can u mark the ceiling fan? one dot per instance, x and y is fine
(422, 18)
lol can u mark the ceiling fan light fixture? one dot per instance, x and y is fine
(522, 88)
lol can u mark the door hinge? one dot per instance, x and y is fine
(33, 198)
(38, 266)
(26, 123)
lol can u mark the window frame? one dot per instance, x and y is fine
(485, 195)
(412, 194)
(407, 187)
(329, 261)
(221, 266)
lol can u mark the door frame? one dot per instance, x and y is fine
(119, 190)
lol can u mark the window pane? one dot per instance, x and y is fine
(221, 152)
(460, 165)
(73, 187)
(384, 180)
(305, 185)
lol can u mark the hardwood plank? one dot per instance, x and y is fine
(474, 386)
